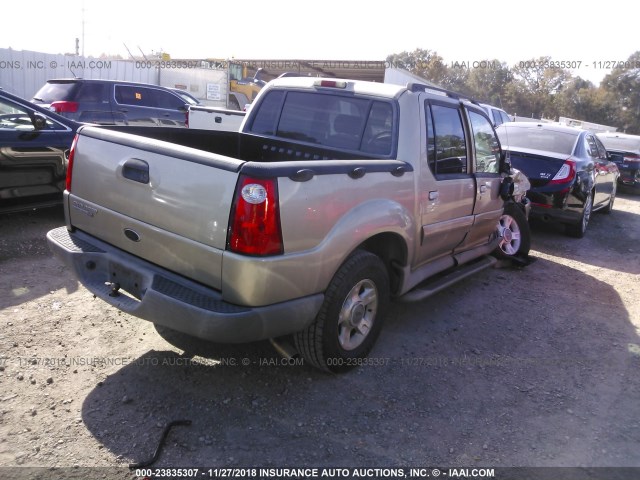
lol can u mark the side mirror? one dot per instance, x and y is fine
(39, 121)
(506, 188)
(505, 162)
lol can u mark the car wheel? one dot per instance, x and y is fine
(350, 318)
(579, 229)
(514, 232)
(609, 208)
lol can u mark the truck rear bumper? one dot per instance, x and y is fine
(149, 292)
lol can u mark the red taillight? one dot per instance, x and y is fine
(72, 153)
(566, 174)
(254, 228)
(64, 107)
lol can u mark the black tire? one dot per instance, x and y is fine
(351, 316)
(514, 230)
(609, 208)
(577, 230)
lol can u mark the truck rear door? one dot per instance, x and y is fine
(447, 184)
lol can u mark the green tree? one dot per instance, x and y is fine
(430, 66)
(488, 82)
(582, 100)
(623, 83)
(536, 88)
(537, 85)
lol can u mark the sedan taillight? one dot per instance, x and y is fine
(566, 174)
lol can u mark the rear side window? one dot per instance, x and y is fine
(446, 143)
(168, 100)
(592, 146)
(337, 121)
(129, 95)
(497, 119)
(91, 92)
(602, 152)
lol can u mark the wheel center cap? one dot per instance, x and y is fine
(507, 234)
(357, 314)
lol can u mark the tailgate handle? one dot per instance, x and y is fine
(218, 119)
(136, 170)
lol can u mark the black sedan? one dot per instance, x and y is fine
(570, 172)
(33, 142)
(624, 150)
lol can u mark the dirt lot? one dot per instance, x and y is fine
(514, 367)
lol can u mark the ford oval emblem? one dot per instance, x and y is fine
(131, 235)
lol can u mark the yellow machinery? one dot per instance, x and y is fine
(242, 88)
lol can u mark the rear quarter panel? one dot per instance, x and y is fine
(323, 220)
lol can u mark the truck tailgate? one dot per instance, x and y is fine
(159, 201)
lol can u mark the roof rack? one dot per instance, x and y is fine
(421, 87)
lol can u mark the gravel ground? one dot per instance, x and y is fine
(513, 367)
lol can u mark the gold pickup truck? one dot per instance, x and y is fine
(334, 198)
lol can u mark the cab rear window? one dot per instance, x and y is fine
(336, 121)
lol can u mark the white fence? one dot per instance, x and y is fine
(23, 72)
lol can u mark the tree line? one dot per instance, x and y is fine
(537, 88)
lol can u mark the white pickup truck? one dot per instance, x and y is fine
(335, 197)
(212, 118)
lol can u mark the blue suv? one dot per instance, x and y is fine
(111, 102)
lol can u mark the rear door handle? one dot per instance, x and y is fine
(433, 195)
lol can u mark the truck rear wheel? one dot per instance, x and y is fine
(350, 319)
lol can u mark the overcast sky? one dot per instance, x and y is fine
(462, 31)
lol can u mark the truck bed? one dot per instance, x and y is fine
(243, 146)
